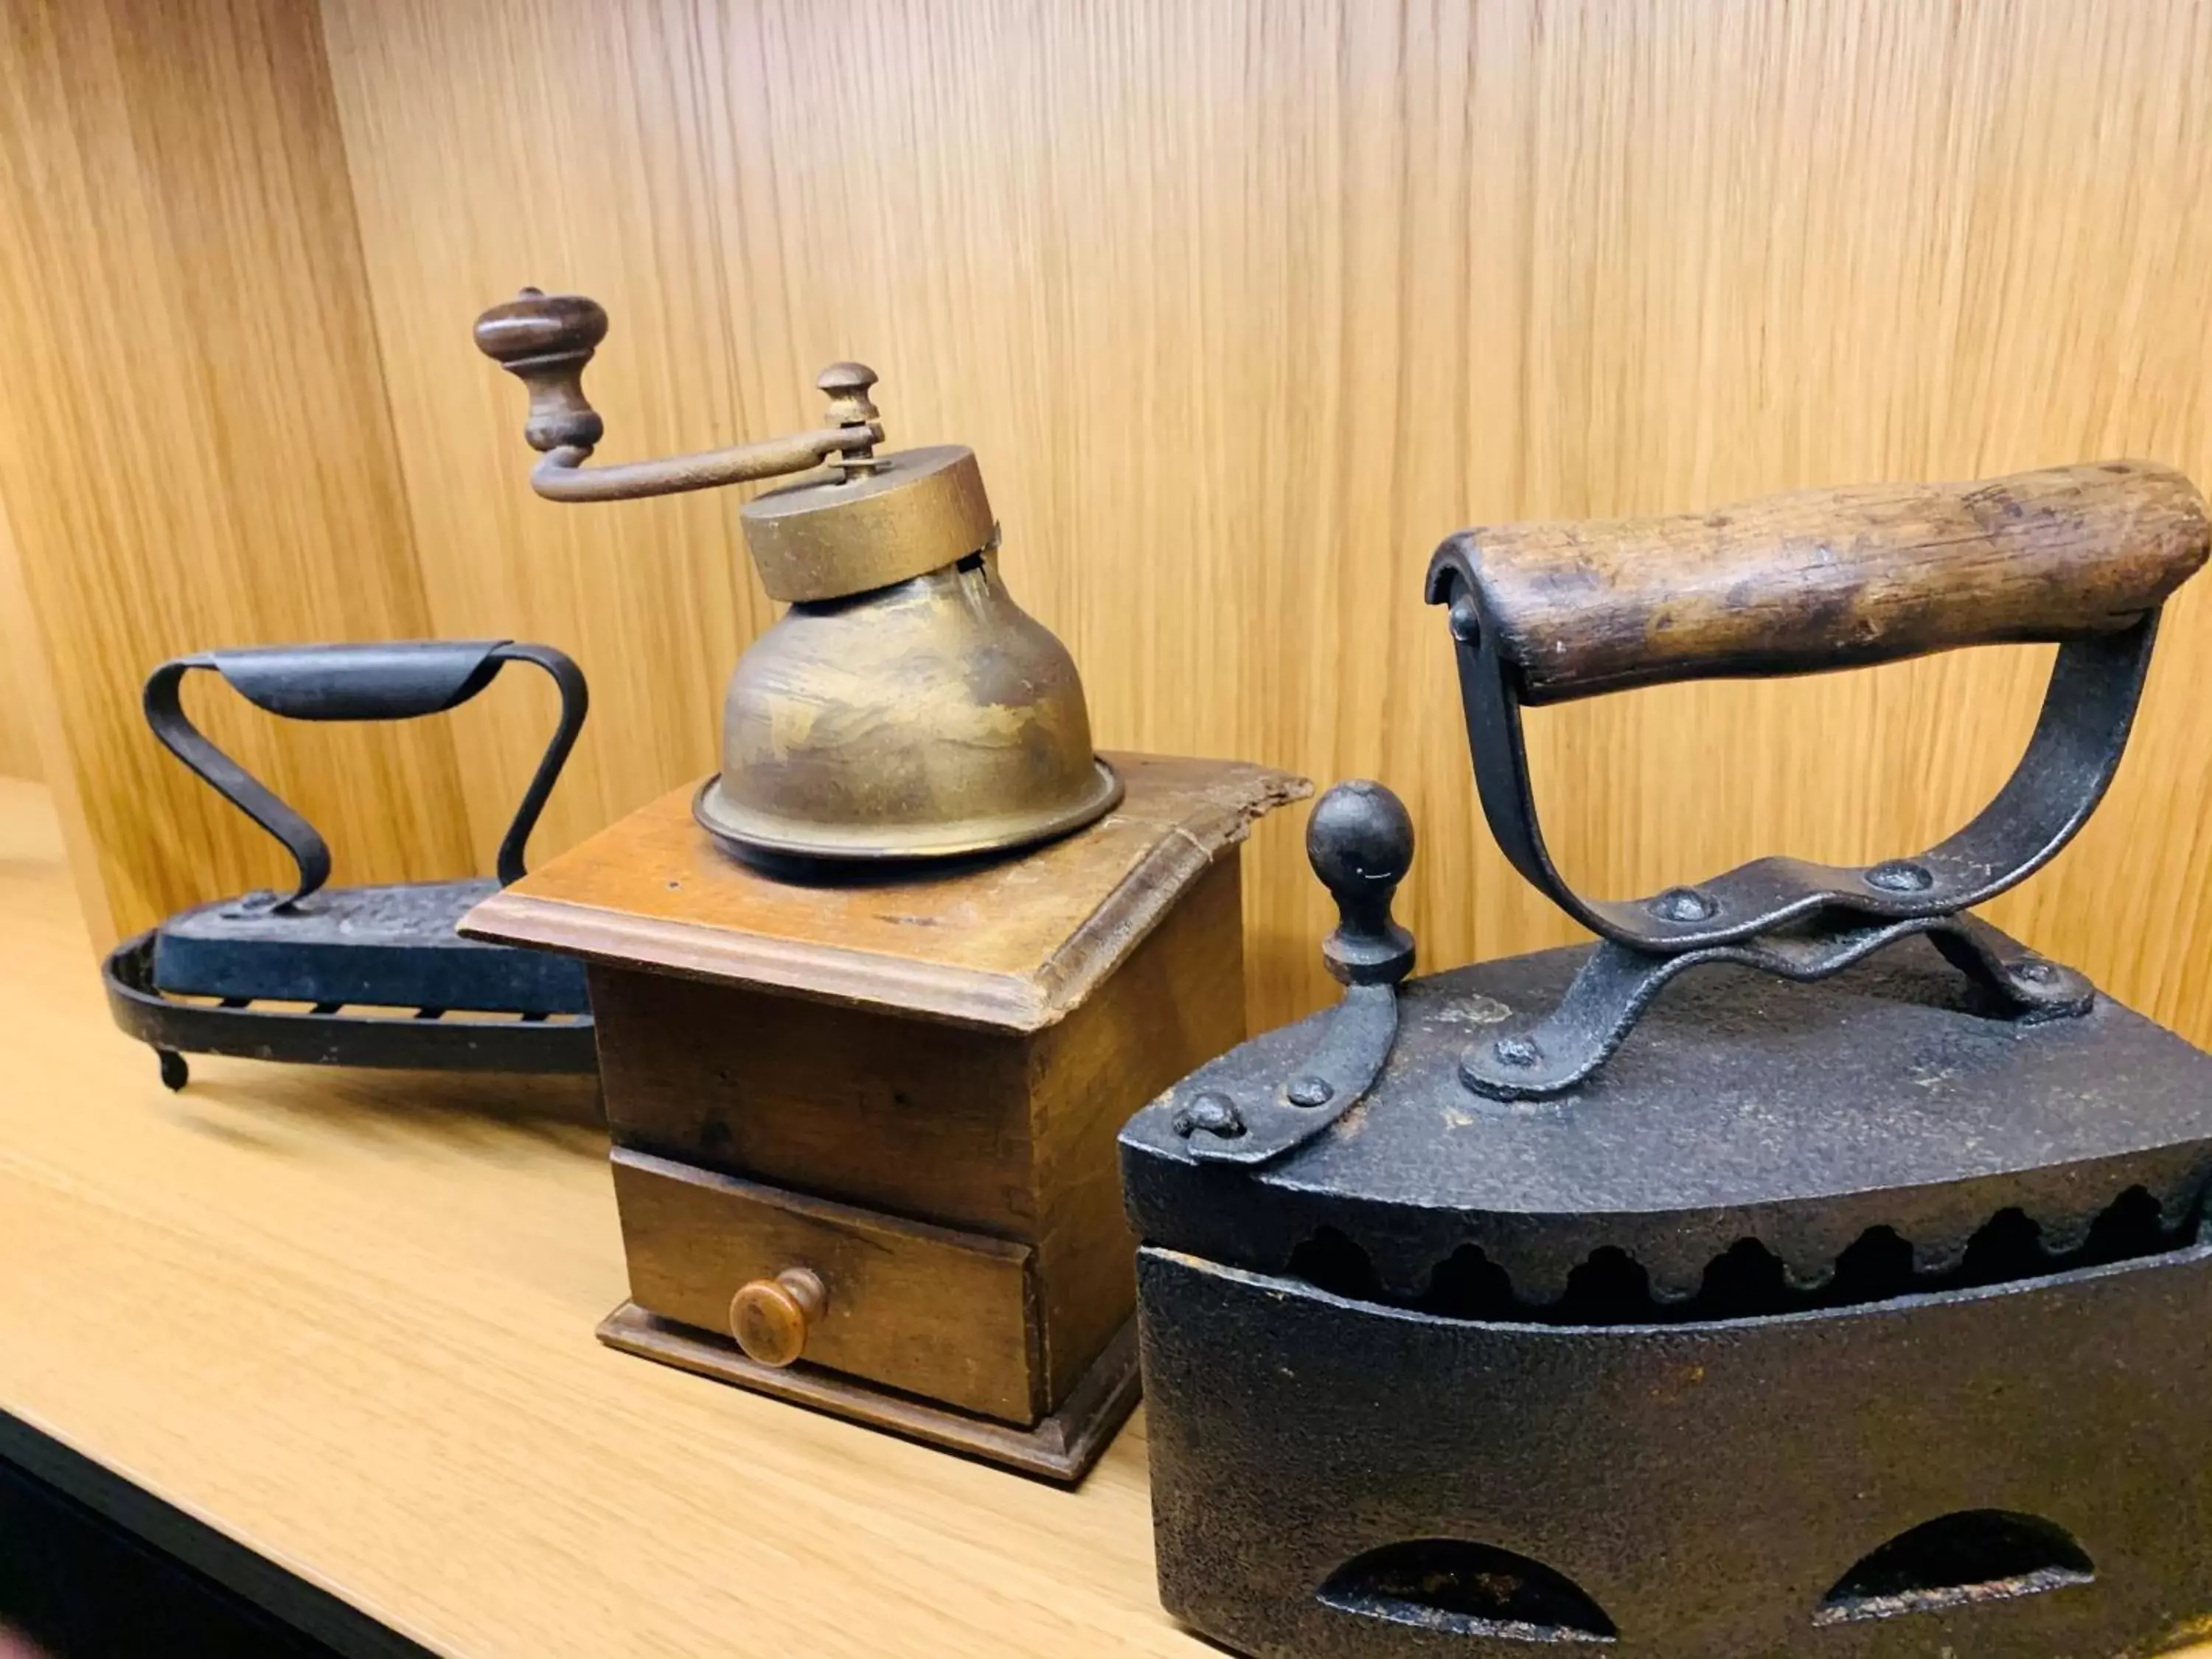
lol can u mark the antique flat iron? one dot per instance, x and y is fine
(384, 979)
(904, 707)
(1848, 1296)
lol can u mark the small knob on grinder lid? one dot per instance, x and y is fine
(891, 518)
(847, 385)
(1360, 843)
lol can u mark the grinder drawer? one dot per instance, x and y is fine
(924, 1308)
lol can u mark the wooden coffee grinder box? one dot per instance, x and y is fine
(873, 1001)
(863, 1134)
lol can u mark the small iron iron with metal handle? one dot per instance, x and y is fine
(380, 969)
(904, 707)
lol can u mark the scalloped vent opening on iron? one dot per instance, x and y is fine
(1958, 1560)
(1460, 1589)
(1746, 1282)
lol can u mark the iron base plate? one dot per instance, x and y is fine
(391, 946)
(1701, 1489)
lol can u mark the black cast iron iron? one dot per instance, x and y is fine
(1848, 1297)
(374, 976)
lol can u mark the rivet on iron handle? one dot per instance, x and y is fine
(2083, 556)
(1360, 843)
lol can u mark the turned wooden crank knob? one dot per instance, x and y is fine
(544, 340)
(770, 1317)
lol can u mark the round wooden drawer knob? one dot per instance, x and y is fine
(770, 1317)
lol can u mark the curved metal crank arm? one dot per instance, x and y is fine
(545, 340)
(561, 476)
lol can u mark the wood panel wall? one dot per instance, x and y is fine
(1243, 305)
(195, 449)
(22, 668)
(19, 744)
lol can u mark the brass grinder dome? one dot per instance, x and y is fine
(904, 707)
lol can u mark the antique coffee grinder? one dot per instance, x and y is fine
(874, 1001)
(1849, 1296)
(904, 707)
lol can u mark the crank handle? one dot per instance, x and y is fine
(545, 339)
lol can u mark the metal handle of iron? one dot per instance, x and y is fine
(545, 340)
(1359, 841)
(2084, 556)
(386, 681)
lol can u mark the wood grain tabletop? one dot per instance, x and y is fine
(345, 1319)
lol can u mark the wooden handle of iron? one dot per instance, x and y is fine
(1826, 578)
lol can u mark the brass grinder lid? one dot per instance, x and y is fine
(836, 532)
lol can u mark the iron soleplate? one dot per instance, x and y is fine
(385, 946)
(1700, 1490)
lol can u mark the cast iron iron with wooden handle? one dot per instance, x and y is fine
(2083, 556)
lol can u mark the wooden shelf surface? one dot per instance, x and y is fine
(345, 1319)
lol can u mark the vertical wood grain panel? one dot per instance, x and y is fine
(194, 450)
(19, 744)
(580, 147)
(26, 687)
(1244, 306)
(27, 715)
